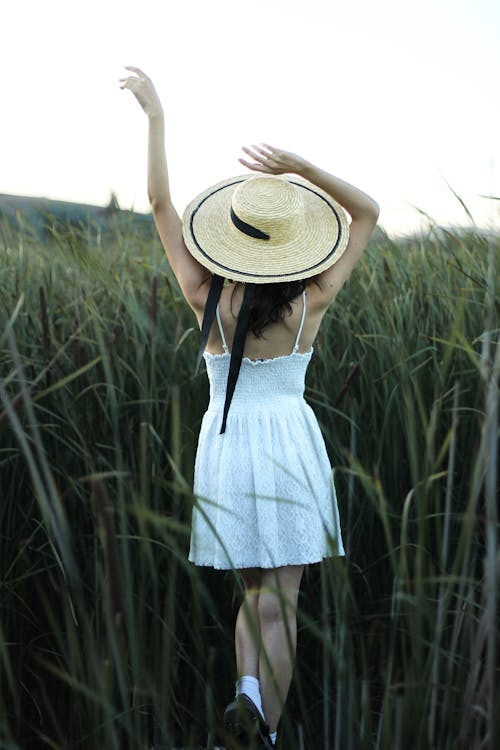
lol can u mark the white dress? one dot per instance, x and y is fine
(264, 489)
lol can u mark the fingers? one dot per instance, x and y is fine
(255, 167)
(251, 153)
(138, 84)
(269, 159)
(264, 160)
(270, 148)
(137, 71)
(124, 82)
(269, 152)
(261, 151)
(258, 154)
(128, 83)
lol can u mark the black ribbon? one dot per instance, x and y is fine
(247, 228)
(239, 336)
(237, 349)
(208, 316)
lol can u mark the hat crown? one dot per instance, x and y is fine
(270, 204)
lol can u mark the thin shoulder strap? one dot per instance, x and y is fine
(296, 345)
(221, 330)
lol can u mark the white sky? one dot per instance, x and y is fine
(393, 96)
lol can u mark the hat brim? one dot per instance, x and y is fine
(220, 246)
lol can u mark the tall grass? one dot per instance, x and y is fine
(110, 639)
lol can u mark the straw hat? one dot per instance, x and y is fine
(264, 229)
(260, 229)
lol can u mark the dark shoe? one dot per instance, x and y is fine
(246, 725)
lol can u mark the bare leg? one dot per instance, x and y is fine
(247, 632)
(277, 608)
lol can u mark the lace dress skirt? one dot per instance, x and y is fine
(264, 489)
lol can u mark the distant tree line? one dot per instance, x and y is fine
(42, 215)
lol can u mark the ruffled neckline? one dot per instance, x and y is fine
(265, 361)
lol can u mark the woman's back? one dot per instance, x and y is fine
(278, 338)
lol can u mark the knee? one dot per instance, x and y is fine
(271, 608)
(252, 579)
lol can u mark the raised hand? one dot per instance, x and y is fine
(144, 91)
(272, 160)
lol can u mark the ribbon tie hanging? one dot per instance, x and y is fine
(239, 336)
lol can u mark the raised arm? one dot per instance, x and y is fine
(191, 275)
(362, 209)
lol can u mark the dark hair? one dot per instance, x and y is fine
(270, 302)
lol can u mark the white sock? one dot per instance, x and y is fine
(273, 736)
(250, 686)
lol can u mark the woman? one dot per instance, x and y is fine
(266, 504)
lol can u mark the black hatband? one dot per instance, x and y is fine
(247, 228)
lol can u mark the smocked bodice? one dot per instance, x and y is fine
(279, 381)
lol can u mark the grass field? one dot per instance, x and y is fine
(109, 638)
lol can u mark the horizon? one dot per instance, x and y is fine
(409, 233)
